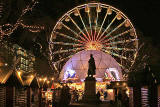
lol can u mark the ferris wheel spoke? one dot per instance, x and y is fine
(55, 67)
(74, 32)
(116, 48)
(89, 17)
(108, 34)
(67, 50)
(95, 27)
(116, 36)
(102, 25)
(78, 28)
(117, 55)
(69, 44)
(123, 41)
(83, 23)
(107, 27)
(68, 37)
(60, 60)
(126, 70)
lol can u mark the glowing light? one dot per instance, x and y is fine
(19, 73)
(76, 13)
(132, 33)
(113, 73)
(87, 9)
(40, 79)
(31, 76)
(52, 79)
(59, 26)
(45, 79)
(7, 29)
(119, 17)
(124, 84)
(69, 74)
(48, 82)
(67, 19)
(109, 11)
(127, 24)
(5, 64)
(93, 45)
(117, 84)
(98, 8)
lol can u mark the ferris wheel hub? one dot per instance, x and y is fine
(93, 45)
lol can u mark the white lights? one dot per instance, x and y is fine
(119, 16)
(44, 79)
(132, 33)
(98, 8)
(76, 12)
(59, 25)
(124, 84)
(31, 76)
(6, 64)
(48, 82)
(127, 24)
(109, 11)
(40, 79)
(10, 28)
(19, 73)
(67, 19)
(87, 9)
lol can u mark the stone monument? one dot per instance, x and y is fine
(90, 83)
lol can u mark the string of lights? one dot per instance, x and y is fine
(1, 9)
(8, 29)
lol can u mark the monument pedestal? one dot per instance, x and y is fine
(90, 91)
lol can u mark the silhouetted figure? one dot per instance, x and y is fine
(146, 68)
(119, 100)
(92, 66)
(111, 103)
(105, 95)
(98, 95)
(65, 97)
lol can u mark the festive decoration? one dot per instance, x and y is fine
(8, 29)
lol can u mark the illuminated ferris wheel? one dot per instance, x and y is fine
(94, 26)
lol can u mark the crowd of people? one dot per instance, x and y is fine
(64, 96)
(121, 100)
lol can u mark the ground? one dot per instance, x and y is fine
(104, 104)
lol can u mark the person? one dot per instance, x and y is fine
(125, 100)
(111, 103)
(98, 95)
(92, 66)
(105, 95)
(119, 98)
(65, 97)
(76, 96)
(119, 103)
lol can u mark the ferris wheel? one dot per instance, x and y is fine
(94, 26)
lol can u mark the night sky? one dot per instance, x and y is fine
(144, 15)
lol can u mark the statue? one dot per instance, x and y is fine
(92, 66)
